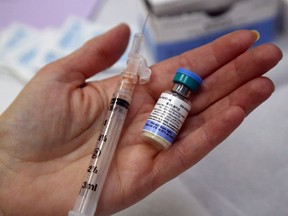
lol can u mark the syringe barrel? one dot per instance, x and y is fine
(104, 150)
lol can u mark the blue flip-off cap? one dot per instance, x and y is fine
(188, 78)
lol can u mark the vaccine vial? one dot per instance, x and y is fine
(171, 110)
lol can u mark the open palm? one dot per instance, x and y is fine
(49, 132)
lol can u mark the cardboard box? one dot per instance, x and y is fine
(171, 35)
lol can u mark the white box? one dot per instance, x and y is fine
(171, 35)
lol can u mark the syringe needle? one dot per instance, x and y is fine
(146, 20)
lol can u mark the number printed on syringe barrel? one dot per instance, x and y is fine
(96, 171)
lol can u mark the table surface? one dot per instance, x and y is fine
(246, 175)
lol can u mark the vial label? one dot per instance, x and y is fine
(167, 117)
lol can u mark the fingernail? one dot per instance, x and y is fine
(256, 35)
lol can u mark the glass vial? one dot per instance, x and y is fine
(171, 110)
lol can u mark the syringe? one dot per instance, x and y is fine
(92, 185)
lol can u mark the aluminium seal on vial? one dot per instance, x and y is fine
(171, 110)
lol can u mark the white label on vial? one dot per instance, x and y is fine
(167, 117)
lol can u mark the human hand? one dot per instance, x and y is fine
(48, 133)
